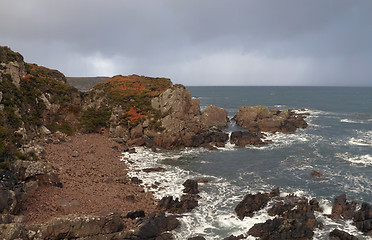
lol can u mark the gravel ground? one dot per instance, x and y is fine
(94, 181)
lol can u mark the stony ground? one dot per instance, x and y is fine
(94, 181)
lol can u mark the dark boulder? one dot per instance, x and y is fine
(337, 234)
(188, 202)
(342, 209)
(155, 169)
(363, 219)
(196, 238)
(243, 139)
(135, 214)
(191, 186)
(284, 204)
(252, 203)
(232, 237)
(295, 224)
(154, 226)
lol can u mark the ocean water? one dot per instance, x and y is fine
(337, 143)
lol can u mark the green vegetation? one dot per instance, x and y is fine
(63, 126)
(94, 119)
(134, 94)
(26, 107)
(7, 55)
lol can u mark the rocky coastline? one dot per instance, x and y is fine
(60, 174)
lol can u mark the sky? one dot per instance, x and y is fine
(197, 42)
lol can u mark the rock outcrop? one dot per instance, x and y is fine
(241, 139)
(188, 201)
(363, 219)
(215, 117)
(260, 118)
(254, 202)
(338, 234)
(109, 226)
(295, 219)
(342, 209)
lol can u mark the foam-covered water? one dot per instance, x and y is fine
(337, 143)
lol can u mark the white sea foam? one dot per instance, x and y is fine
(344, 120)
(364, 160)
(364, 138)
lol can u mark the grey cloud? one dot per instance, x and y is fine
(288, 42)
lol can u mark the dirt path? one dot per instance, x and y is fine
(94, 181)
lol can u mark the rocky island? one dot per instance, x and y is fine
(60, 174)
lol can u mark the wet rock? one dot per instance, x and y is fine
(188, 202)
(342, 209)
(135, 214)
(136, 180)
(254, 202)
(243, 139)
(191, 187)
(157, 169)
(297, 223)
(363, 219)
(316, 174)
(196, 238)
(260, 118)
(337, 234)
(153, 226)
(132, 150)
(232, 237)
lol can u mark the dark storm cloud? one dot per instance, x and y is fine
(210, 42)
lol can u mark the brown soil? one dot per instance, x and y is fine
(95, 181)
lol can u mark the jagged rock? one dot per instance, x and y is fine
(175, 100)
(8, 218)
(232, 237)
(156, 169)
(252, 203)
(260, 118)
(196, 238)
(66, 227)
(296, 223)
(191, 186)
(242, 139)
(136, 132)
(187, 203)
(155, 225)
(80, 226)
(338, 234)
(363, 219)
(342, 209)
(136, 180)
(214, 117)
(135, 214)
(282, 205)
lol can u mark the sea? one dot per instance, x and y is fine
(337, 143)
